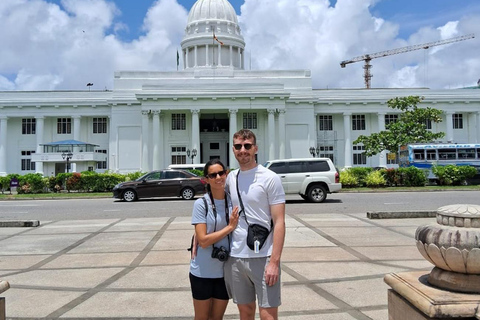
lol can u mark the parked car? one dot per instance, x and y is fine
(193, 166)
(311, 178)
(161, 183)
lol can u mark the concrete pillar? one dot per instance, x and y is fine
(76, 136)
(231, 56)
(196, 56)
(186, 58)
(196, 134)
(449, 133)
(219, 55)
(271, 134)
(281, 134)
(233, 128)
(3, 145)
(239, 58)
(156, 165)
(207, 62)
(145, 140)
(39, 125)
(477, 128)
(381, 127)
(347, 124)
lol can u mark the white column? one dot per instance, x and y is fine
(233, 128)
(231, 56)
(271, 134)
(186, 58)
(39, 124)
(219, 55)
(239, 58)
(449, 126)
(281, 133)
(196, 134)
(381, 127)
(477, 128)
(76, 136)
(348, 138)
(196, 56)
(207, 63)
(156, 140)
(145, 133)
(3, 145)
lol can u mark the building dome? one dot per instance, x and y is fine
(204, 10)
(212, 36)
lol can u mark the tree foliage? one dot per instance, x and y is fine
(409, 128)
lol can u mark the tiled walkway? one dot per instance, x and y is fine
(332, 267)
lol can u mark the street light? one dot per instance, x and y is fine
(193, 154)
(314, 151)
(67, 156)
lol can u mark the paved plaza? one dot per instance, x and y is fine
(333, 267)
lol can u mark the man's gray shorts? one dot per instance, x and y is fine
(245, 279)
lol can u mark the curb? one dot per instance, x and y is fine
(401, 214)
(19, 223)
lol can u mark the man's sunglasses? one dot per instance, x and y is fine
(247, 146)
(214, 175)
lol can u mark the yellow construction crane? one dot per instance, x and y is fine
(368, 57)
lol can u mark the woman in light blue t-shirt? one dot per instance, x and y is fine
(214, 220)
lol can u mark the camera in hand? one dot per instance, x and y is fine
(221, 253)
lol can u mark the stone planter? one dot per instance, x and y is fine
(453, 246)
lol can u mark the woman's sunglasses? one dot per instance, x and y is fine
(247, 146)
(214, 175)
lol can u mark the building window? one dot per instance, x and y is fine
(359, 157)
(102, 164)
(64, 125)
(428, 124)
(358, 122)
(390, 118)
(325, 123)
(179, 121)
(28, 126)
(392, 158)
(26, 159)
(326, 152)
(179, 155)
(250, 120)
(99, 125)
(457, 121)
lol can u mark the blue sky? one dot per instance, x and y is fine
(63, 44)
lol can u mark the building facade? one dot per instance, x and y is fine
(153, 119)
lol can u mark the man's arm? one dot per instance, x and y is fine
(272, 270)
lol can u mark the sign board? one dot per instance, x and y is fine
(13, 183)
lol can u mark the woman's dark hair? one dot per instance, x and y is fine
(211, 163)
(205, 171)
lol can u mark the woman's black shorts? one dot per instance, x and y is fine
(206, 288)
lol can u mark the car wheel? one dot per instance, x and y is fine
(317, 193)
(129, 195)
(304, 197)
(188, 194)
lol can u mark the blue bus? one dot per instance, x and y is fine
(424, 155)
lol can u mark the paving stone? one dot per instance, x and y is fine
(167, 257)
(141, 224)
(116, 259)
(20, 262)
(116, 242)
(290, 254)
(305, 237)
(165, 277)
(38, 244)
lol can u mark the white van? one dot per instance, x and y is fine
(191, 166)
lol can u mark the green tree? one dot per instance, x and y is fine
(409, 128)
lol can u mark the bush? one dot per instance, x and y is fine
(74, 182)
(361, 174)
(32, 183)
(375, 179)
(348, 179)
(392, 177)
(413, 177)
(453, 175)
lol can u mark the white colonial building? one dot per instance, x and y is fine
(153, 119)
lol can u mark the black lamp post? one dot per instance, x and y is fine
(67, 155)
(192, 154)
(314, 151)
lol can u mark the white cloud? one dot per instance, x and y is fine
(49, 47)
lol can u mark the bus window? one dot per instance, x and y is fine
(466, 154)
(447, 154)
(431, 155)
(419, 154)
